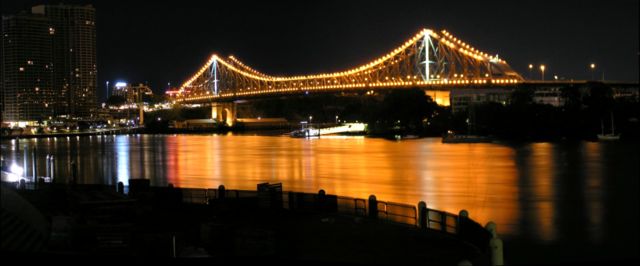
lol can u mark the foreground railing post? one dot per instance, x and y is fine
(463, 221)
(373, 207)
(120, 188)
(322, 199)
(495, 245)
(221, 192)
(422, 215)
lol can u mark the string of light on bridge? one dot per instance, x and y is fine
(204, 96)
(306, 83)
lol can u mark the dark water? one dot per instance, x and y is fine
(552, 201)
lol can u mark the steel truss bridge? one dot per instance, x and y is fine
(430, 60)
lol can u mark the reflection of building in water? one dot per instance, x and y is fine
(132, 93)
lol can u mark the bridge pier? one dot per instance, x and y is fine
(141, 113)
(224, 113)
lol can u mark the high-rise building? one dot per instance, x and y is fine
(51, 51)
(74, 55)
(27, 68)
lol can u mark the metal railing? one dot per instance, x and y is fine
(392, 212)
(273, 197)
(443, 221)
(195, 195)
(388, 211)
(351, 206)
(397, 212)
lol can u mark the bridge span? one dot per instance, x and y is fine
(429, 60)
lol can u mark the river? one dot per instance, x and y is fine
(570, 201)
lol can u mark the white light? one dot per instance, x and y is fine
(17, 170)
(121, 84)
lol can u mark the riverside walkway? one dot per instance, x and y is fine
(234, 225)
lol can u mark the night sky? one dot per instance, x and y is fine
(160, 42)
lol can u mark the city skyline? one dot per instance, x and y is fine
(170, 41)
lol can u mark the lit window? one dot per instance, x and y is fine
(21, 69)
(29, 62)
(52, 30)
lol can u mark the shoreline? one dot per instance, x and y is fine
(73, 134)
(284, 132)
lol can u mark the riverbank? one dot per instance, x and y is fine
(129, 130)
(227, 225)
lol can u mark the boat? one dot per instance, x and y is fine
(406, 137)
(610, 136)
(451, 137)
(306, 131)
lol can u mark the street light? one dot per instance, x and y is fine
(337, 119)
(542, 67)
(593, 69)
(530, 70)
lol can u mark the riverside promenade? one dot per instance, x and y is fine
(268, 224)
(109, 131)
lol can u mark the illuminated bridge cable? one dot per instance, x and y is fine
(447, 62)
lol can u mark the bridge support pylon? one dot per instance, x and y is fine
(224, 113)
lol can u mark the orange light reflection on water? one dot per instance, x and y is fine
(542, 184)
(480, 178)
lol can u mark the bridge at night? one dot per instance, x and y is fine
(428, 60)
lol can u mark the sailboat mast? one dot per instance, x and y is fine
(613, 129)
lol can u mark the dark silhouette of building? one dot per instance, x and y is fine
(27, 68)
(49, 63)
